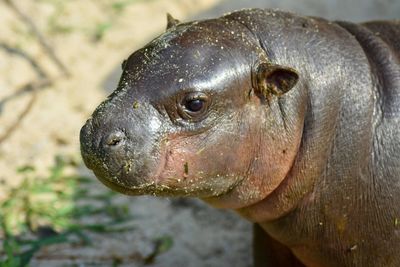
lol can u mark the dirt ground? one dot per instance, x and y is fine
(91, 38)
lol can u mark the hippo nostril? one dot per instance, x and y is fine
(113, 142)
(115, 139)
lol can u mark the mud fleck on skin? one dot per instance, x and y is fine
(186, 168)
(135, 105)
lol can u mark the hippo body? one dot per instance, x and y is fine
(293, 122)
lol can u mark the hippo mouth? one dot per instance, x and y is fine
(161, 184)
(162, 190)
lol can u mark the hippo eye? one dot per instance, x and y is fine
(193, 106)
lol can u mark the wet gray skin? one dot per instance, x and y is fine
(294, 122)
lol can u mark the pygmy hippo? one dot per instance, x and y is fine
(292, 121)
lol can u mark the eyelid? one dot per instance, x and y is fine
(196, 96)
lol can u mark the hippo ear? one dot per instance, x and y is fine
(274, 79)
(171, 21)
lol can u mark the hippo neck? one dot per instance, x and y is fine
(336, 80)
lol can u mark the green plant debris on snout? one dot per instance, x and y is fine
(186, 168)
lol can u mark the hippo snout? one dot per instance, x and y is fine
(110, 142)
(105, 151)
(86, 142)
(118, 147)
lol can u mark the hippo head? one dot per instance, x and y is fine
(197, 113)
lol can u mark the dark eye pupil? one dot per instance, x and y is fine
(194, 105)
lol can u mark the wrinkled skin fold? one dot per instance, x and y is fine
(292, 121)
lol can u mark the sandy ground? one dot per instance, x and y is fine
(202, 236)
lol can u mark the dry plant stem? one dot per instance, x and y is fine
(19, 52)
(32, 27)
(33, 86)
(34, 64)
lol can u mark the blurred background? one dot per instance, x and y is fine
(58, 61)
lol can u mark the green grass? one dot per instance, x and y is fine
(119, 6)
(43, 211)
